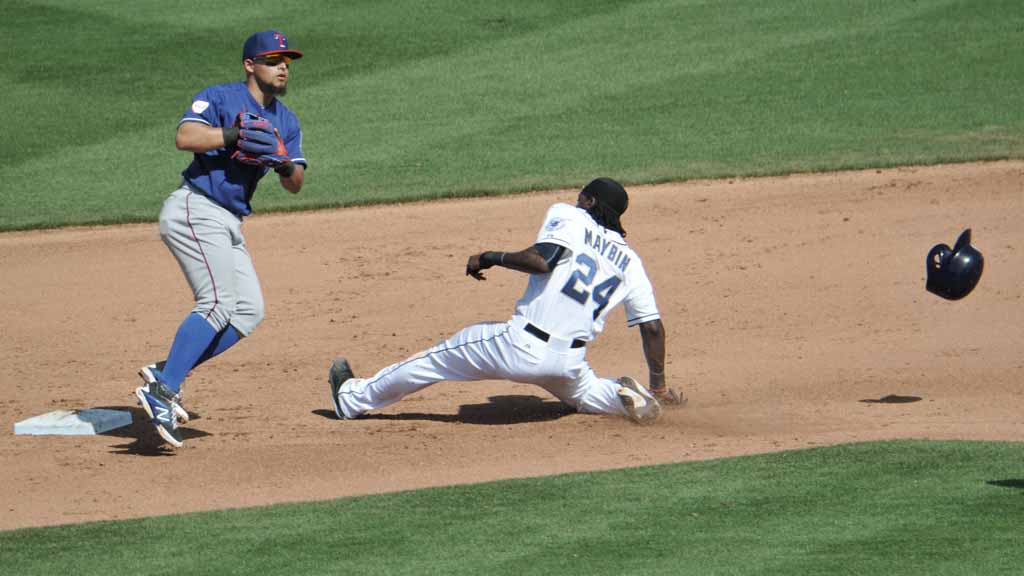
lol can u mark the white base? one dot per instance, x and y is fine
(74, 422)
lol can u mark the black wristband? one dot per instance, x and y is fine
(230, 135)
(286, 170)
(488, 259)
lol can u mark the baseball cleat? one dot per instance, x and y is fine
(340, 372)
(149, 374)
(641, 406)
(156, 401)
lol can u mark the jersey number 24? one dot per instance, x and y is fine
(579, 285)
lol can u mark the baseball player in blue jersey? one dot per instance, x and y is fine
(580, 268)
(238, 133)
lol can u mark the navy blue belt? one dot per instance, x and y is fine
(576, 343)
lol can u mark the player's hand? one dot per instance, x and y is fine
(277, 158)
(667, 396)
(473, 267)
(256, 135)
(259, 142)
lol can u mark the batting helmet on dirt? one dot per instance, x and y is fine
(954, 272)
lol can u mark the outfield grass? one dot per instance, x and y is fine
(908, 507)
(407, 100)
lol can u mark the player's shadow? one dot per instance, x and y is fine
(1008, 483)
(892, 399)
(500, 410)
(145, 439)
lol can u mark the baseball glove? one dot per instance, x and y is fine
(259, 142)
(669, 396)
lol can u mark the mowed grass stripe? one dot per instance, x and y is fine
(406, 101)
(903, 507)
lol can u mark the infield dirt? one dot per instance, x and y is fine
(795, 309)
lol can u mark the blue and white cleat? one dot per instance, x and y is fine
(151, 374)
(157, 401)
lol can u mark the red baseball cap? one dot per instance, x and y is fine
(268, 42)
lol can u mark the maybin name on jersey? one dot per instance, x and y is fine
(598, 242)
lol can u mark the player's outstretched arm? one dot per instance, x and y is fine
(529, 260)
(653, 335)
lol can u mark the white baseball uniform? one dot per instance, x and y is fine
(545, 341)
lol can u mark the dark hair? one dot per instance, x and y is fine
(610, 203)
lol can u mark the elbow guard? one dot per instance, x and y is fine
(551, 253)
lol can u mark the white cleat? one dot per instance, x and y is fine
(641, 406)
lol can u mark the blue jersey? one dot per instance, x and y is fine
(227, 182)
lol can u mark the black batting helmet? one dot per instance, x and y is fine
(612, 201)
(954, 272)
